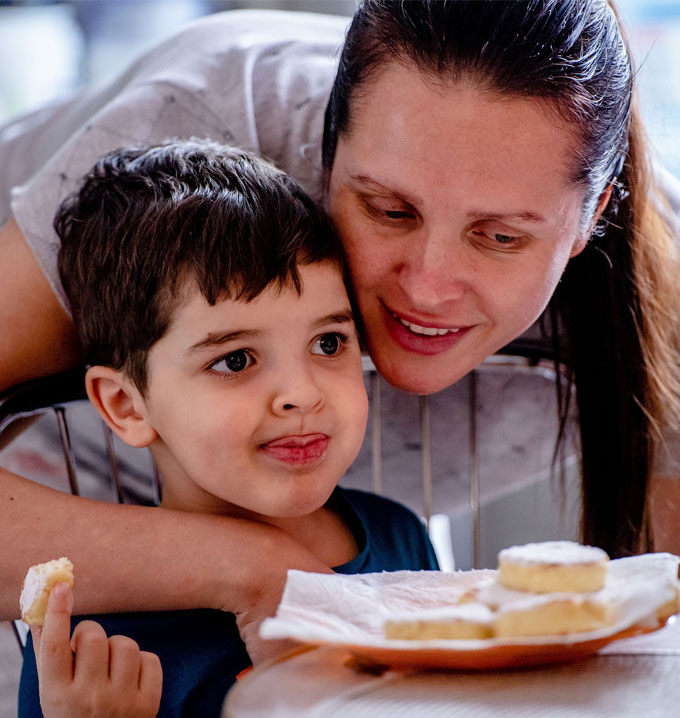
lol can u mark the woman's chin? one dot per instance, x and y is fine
(418, 375)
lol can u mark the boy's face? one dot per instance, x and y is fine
(260, 407)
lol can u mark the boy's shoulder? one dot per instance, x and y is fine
(390, 536)
(370, 501)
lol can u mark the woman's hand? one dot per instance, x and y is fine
(274, 552)
(90, 674)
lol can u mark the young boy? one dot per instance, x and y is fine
(219, 335)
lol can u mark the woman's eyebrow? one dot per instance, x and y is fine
(217, 339)
(525, 216)
(371, 183)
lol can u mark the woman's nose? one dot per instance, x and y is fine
(435, 272)
(298, 392)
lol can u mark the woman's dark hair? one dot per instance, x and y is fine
(614, 317)
(146, 221)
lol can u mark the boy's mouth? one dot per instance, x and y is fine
(297, 450)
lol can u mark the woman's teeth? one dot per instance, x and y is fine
(428, 331)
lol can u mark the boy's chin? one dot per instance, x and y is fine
(300, 509)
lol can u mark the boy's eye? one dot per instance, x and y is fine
(233, 362)
(328, 344)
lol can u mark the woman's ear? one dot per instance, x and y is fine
(580, 244)
(120, 405)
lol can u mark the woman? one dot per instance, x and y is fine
(475, 153)
(539, 158)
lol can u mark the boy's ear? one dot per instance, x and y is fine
(120, 405)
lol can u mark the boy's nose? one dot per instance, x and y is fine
(297, 393)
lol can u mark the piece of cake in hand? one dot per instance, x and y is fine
(553, 566)
(38, 583)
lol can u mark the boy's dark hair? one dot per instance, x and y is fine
(147, 220)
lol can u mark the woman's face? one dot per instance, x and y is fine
(456, 210)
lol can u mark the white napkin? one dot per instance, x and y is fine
(351, 610)
(330, 608)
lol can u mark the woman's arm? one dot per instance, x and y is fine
(134, 558)
(664, 504)
(38, 337)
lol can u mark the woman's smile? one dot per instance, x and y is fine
(421, 337)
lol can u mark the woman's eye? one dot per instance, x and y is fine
(391, 211)
(328, 344)
(397, 214)
(503, 238)
(233, 362)
(498, 240)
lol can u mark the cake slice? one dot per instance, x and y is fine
(554, 614)
(552, 567)
(467, 621)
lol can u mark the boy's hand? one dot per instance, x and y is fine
(90, 674)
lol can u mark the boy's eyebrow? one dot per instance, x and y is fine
(334, 318)
(213, 340)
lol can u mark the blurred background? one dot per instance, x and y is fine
(48, 49)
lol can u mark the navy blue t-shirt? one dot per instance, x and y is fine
(201, 651)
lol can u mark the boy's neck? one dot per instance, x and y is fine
(324, 533)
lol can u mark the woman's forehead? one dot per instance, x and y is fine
(403, 118)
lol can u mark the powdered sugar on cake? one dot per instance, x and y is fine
(553, 552)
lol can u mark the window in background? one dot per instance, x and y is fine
(48, 48)
(654, 34)
(40, 51)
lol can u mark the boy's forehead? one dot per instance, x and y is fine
(187, 289)
(322, 292)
